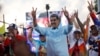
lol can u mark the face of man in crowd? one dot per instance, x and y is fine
(54, 22)
(94, 32)
(7, 34)
(77, 35)
(12, 31)
(42, 38)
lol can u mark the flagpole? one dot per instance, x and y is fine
(3, 18)
(47, 8)
(9, 23)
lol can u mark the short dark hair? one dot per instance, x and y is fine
(93, 27)
(77, 32)
(55, 15)
(12, 26)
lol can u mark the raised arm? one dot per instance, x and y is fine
(87, 21)
(34, 17)
(41, 30)
(67, 15)
(70, 23)
(86, 29)
(92, 14)
(79, 22)
(74, 22)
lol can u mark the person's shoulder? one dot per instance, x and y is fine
(20, 37)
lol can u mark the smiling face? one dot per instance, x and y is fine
(42, 38)
(55, 20)
(94, 30)
(77, 34)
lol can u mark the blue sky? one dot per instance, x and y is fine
(15, 9)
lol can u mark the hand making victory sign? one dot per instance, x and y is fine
(66, 13)
(34, 16)
(90, 7)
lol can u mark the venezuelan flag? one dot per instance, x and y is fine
(95, 19)
(81, 47)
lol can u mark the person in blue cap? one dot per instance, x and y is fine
(55, 34)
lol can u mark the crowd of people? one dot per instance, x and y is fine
(55, 40)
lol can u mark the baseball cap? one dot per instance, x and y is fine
(12, 26)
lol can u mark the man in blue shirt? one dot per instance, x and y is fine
(55, 34)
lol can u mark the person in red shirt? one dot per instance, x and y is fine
(1, 46)
(19, 44)
(7, 44)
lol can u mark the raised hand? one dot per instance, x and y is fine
(74, 21)
(90, 7)
(76, 14)
(88, 18)
(34, 16)
(34, 12)
(78, 21)
(72, 17)
(66, 13)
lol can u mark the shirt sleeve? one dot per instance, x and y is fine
(95, 19)
(67, 29)
(41, 30)
(90, 41)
